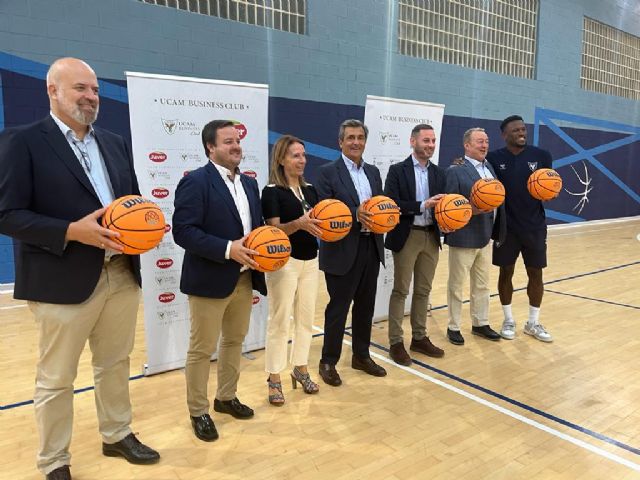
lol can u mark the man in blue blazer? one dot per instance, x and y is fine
(470, 247)
(350, 265)
(215, 209)
(58, 174)
(415, 184)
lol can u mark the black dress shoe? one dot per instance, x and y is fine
(455, 337)
(60, 473)
(204, 428)
(233, 407)
(132, 450)
(486, 332)
(329, 374)
(367, 366)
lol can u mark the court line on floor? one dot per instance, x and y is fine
(593, 299)
(11, 307)
(576, 441)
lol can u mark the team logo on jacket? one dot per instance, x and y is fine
(164, 263)
(533, 166)
(157, 157)
(160, 192)
(166, 297)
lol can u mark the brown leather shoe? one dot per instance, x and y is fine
(367, 366)
(399, 355)
(60, 473)
(329, 374)
(425, 347)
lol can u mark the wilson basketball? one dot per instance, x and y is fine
(385, 214)
(139, 221)
(335, 217)
(453, 212)
(487, 194)
(544, 184)
(272, 245)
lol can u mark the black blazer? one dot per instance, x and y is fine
(43, 188)
(400, 185)
(334, 181)
(204, 220)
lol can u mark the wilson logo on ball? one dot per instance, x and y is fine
(160, 192)
(387, 206)
(132, 202)
(166, 297)
(164, 263)
(157, 157)
(277, 249)
(339, 224)
(460, 202)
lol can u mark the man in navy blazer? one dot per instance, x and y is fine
(415, 184)
(350, 265)
(470, 247)
(58, 174)
(215, 209)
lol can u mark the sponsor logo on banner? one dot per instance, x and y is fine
(166, 280)
(167, 316)
(186, 172)
(160, 192)
(389, 138)
(250, 173)
(164, 263)
(157, 175)
(185, 157)
(157, 157)
(167, 228)
(242, 130)
(255, 300)
(169, 126)
(184, 126)
(166, 297)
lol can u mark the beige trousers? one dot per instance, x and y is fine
(108, 320)
(418, 259)
(227, 318)
(473, 263)
(292, 290)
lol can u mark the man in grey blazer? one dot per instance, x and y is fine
(469, 247)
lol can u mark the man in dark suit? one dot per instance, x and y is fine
(350, 265)
(470, 247)
(58, 175)
(415, 185)
(215, 209)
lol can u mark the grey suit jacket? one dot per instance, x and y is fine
(481, 227)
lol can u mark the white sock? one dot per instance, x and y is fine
(507, 312)
(534, 314)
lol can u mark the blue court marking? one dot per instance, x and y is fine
(593, 299)
(536, 411)
(78, 390)
(39, 70)
(314, 149)
(565, 217)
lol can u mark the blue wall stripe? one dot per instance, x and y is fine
(593, 122)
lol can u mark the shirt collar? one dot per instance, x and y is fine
(474, 162)
(351, 165)
(224, 171)
(416, 163)
(68, 132)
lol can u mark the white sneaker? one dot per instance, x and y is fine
(508, 330)
(538, 331)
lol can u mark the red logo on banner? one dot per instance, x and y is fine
(167, 228)
(160, 192)
(157, 157)
(242, 130)
(256, 299)
(164, 263)
(166, 297)
(186, 172)
(250, 173)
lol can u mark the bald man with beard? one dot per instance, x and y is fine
(59, 174)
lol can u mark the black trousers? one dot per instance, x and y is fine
(358, 285)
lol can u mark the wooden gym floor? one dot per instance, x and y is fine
(516, 409)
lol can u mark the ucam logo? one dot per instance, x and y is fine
(164, 263)
(160, 192)
(242, 130)
(157, 157)
(166, 297)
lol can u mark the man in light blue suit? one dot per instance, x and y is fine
(470, 247)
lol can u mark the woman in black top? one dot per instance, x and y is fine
(286, 203)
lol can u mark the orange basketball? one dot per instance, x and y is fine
(385, 214)
(544, 184)
(272, 245)
(487, 194)
(453, 212)
(139, 221)
(336, 219)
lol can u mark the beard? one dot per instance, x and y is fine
(74, 111)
